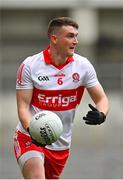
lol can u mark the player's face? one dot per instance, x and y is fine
(66, 40)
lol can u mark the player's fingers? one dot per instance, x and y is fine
(90, 122)
(85, 118)
(92, 107)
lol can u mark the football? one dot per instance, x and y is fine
(46, 127)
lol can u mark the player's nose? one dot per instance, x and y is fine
(75, 41)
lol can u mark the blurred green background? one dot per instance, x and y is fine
(96, 152)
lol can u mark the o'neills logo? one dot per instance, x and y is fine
(56, 101)
(47, 133)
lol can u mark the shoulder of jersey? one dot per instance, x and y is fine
(80, 59)
(32, 59)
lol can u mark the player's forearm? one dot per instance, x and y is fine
(99, 97)
(103, 105)
(24, 117)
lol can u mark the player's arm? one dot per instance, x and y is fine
(99, 97)
(24, 97)
(97, 115)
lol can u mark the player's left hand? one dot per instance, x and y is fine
(94, 117)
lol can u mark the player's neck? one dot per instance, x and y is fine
(57, 58)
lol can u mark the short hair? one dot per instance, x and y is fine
(59, 22)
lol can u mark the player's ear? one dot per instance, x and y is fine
(53, 38)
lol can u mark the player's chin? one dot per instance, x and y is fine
(70, 53)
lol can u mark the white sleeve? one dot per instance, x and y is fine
(24, 80)
(91, 76)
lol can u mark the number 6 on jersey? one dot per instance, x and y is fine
(60, 81)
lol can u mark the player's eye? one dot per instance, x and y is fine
(70, 35)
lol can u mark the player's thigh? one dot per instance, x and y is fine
(55, 162)
(28, 155)
(34, 169)
(23, 144)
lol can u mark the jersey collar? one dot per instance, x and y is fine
(48, 59)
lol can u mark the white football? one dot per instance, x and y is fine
(46, 127)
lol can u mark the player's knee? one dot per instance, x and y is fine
(37, 176)
(34, 175)
(33, 170)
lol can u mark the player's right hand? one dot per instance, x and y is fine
(34, 141)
